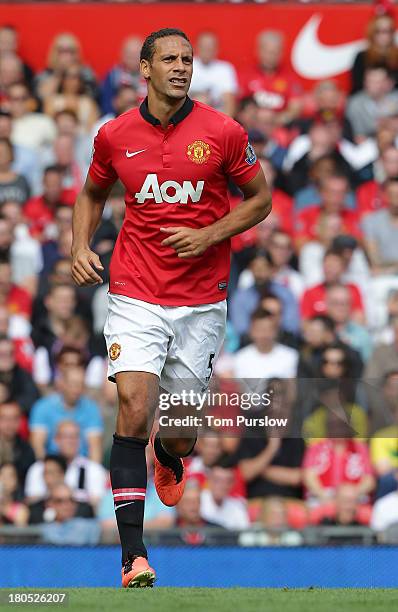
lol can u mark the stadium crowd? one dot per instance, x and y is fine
(313, 297)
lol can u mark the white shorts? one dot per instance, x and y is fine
(177, 343)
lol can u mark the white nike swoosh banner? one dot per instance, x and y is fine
(312, 59)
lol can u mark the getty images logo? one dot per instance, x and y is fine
(169, 191)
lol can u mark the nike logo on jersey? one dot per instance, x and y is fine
(170, 192)
(128, 154)
(330, 59)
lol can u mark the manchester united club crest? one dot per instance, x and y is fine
(198, 152)
(114, 351)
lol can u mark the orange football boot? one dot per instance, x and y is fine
(169, 480)
(136, 573)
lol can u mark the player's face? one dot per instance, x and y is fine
(170, 71)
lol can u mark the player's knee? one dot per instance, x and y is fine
(134, 415)
(181, 447)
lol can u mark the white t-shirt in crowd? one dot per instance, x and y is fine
(231, 514)
(280, 362)
(215, 78)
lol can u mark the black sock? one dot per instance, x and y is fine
(129, 480)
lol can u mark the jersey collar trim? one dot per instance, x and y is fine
(183, 112)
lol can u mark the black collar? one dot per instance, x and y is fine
(183, 112)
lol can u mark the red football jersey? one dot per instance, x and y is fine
(271, 90)
(173, 177)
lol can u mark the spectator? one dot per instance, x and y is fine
(216, 503)
(212, 76)
(86, 478)
(62, 154)
(9, 43)
(265, 358)
(364, 107)
(381, 50)
(11, 72)
(335, 461)
(245, 301)
(20, 383)
(310, 195)
(13, 186)
(189, 514)
(345, 512)
(270, 459)
(281, 252)
(64, 52)
(333, 190)
(69, 403)
(271, 84)
(384, 443)
(325, 139)
(384, 359)
(380, 230)
(282, 204)
(125, 73)
(335, 387)
(72, 94)
(25, 160)
(66, 527)
(12, 510)
(125, 98)
(313, 300)
(40, 210)
(12, 446)
(371, 195)
(339, 307)
(29, 128)
(60, 303)
(54, 468)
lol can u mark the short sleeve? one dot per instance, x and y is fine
(94, 423)
(39, 416)
(240, 160)
(101, 170)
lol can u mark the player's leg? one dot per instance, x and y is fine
(138, 394)
(198, 334)
(137, 340)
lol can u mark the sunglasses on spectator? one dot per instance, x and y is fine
(61, 500)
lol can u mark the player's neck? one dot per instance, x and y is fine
(163, 109)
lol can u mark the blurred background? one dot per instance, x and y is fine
(313, 298)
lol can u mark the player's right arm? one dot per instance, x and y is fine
(88, 210)
(87, 214)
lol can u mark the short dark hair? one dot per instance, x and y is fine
(59, 460)
(261, 313)
(54, 168)
(148, 48)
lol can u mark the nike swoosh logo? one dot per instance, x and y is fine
(121, 505)
(312, 59)
(128, 154)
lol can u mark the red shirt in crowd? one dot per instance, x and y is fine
(272, 90)
(370, 197)
(313, 301)
(19, 301)
(335, 468)
(173, 177)
(309, 219)
(38, 214)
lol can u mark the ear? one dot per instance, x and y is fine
(145, 68)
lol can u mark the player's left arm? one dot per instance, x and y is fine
(256, 206)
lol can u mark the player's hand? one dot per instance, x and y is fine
(187, 242)
(83, 263)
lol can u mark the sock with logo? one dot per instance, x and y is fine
(129, 481)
